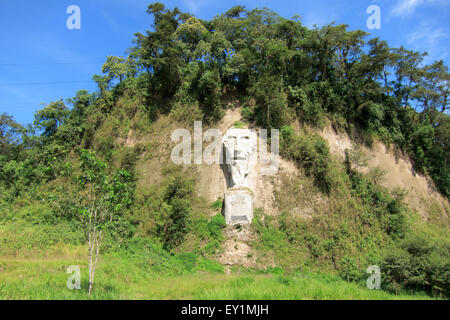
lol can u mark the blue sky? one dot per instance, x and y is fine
(41, 60)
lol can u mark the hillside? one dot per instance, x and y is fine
(363, 174)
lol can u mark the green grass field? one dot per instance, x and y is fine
(34, 259)
(120, 278)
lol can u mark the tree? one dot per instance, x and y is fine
(101, 198)
(406, 65)
(51, 117)
(10, 132)
(270, 102)
(434, 89)
(115, 68)
(177, 196)
(157, 51)
(191, 38)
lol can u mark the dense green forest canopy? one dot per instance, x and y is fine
(280, 69)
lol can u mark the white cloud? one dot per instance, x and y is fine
(314, 18)
(194, 5)
(406, 7)
(429, 39)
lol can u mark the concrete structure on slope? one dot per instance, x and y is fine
(240, 159)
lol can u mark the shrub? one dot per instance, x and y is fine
(271, 236)
(310, 152)
(389, 211)
(216, 225)
(188, 260)
(247, 113)
(186, 112)
(172, 209)
(308, 111)
(175, 227)
(217, 205)
(348, 268)
(200, 228)
(208, 90)
(418, 264)
(371, 114)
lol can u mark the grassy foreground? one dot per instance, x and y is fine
(119, 278)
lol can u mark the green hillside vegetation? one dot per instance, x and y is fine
(161, 239)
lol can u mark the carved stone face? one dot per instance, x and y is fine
(239, 144)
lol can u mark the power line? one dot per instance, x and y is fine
(47, 63)
(40, 83)
(17, 103)
(22, 106)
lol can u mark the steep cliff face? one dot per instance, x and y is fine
(280, 192)
(421, 195)
(290, 190)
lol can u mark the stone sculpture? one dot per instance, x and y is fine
(239, 149)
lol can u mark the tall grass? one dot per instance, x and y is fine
(125, 278)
